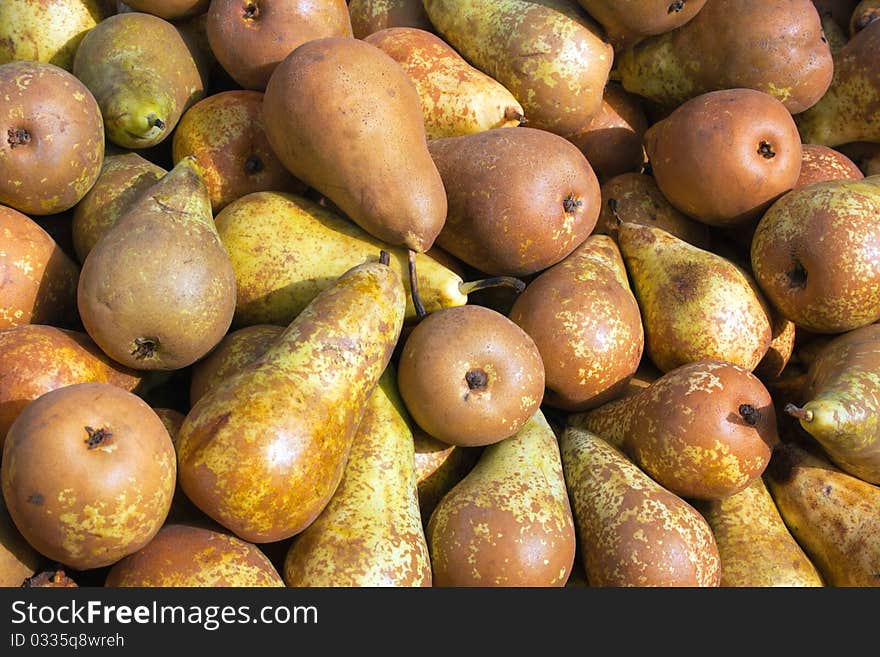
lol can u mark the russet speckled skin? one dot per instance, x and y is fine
(509, 521)
(775, 46)
(52, 138)
(47, 30)
(36, 358)
(123, 178)
(814, 255)
(189, 555)
(37, 279)
(457, 99)
(850, 110)
(439, 467)
(636, 199)
(820, 163)
(153, 76)
(686, 430)
(285, 249)
(631, 530)
(85, 504)
(170, 9)
(724, 156)
(368, 16)
(263, 451)
(370, 533)
(586, 323)
(629, 21)
(780, 350)
(225, 133)
(755, 546)
(18, 560)
(160, 274)
(453, 344)
(549, 55)
(832, 515)
(519, 200)
(236, 350)
(695, 304)
(844, 402)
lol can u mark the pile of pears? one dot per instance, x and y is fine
(490, 293)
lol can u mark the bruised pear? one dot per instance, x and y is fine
(345, 119)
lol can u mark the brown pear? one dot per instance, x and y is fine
(703, 430)
(368, 16)
(820, 163)
(629, 21)
(18, 560)
(439, 467)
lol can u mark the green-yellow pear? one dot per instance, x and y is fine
(263, 451)
(832, 515)
(695, 304)
(439, 467)
(755, 546)
(631, 530)
(843, 408)
(370, 533)
(508, 522)
(549, 54)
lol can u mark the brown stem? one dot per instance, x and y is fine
(799, 413)
(414, 285)
(384, 257)
(513, 114)
(495, 281)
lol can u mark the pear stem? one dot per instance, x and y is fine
(414, 285)
(799, 413)
(495, 281)
(749, 414)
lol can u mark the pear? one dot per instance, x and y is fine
(47, 30)
(346, 119)
(814, 255)
(550, 56)
(285, 249)
(368, 16)
(695, 304)
(820, 163)
(774, 46)
(703, 430)
(846, 112)
(457, 99)
(781, 348)
(157, 292)
(843, 408)
(629, 21)
(123, 177)
(586, 323)
(832, 515)
(755, 546)
(18, 560)
(631, 530)
(508, 523)
(439, 467)
(143, 74)
(865, 13)
(263, 451)
(370, 533)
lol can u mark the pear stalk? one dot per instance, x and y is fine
(800, 413)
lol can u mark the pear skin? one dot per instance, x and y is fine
(843, 408)
(439, 467)
(550, 56)
(263, 451)
(703, 430)
(631, 530)
(755, 546)
(832, 515)
(131, 307)
(368, 16)
(820, 163)
(629, 21)
(508, 522)
(695, 304)
(586, 323)
(370, 533)
(18, 560)
(457, 99)
(285, 249)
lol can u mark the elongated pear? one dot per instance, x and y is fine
(631, 530)
(370, 533)
(755, 546)
(833, 515)
(695, 304)
(157, 292)
(550, 55)
(843, 408)
(847, 112)
(263, 451)
(703, 430)
(508, 522)
(344, 118)
(586, 324)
